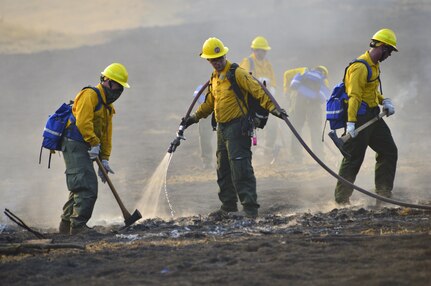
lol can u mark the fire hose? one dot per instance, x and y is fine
(181, 128)
(330, 171)
(180, 136)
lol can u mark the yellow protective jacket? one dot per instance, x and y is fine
(359, 89)
(94, 126)
(261, 70)
(222, 99)
(288, 76)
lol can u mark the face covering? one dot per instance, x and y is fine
(112, 94)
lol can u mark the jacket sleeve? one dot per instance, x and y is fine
(106, 140)
(247, 83)
(380, 97)
(245, 64)
(83, 110)
(356, 79)
(207, 107)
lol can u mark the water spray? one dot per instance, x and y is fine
(175, 143)
(171, 208)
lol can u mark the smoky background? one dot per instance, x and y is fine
(50, 50)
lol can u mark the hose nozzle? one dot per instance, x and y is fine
(177, 141)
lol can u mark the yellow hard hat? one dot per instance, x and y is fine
(213, 48)
(386, 36)
(118, 73)
(324, 69)
(260, 43)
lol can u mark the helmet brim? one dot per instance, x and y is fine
(214, 56)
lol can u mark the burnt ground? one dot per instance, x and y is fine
(390, 246)
(300, 237)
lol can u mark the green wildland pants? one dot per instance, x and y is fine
(81, 181)
(235, 175)
(379, 138)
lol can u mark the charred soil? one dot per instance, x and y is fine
(390, 246)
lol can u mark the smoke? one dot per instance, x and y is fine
(52, 58)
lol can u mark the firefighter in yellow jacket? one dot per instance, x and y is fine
(261, 68)
(235, 175)
(89, 135)
(363, 105)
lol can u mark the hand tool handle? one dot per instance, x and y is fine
(363, 126)
(126, 214)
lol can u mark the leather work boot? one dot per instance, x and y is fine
(381, 204)
(83, 230)
(250, 213)
(64, 227)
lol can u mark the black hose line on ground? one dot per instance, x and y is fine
(334, 174)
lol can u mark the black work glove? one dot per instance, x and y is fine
(189, 120)
(279, 114)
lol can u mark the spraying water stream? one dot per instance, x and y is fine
(150, 204)
(165, 185)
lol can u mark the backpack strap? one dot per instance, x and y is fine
(370, 72)
(239, 95)
(72, 118)
(99, 96)
(209, 90)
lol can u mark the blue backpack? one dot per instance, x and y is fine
(336, 105)
(56, 125)
(311, 85)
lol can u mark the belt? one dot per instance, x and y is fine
(230, 122)
(69, 139)
(373, 110)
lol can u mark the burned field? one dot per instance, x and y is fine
(355, 246)
(299, 237)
